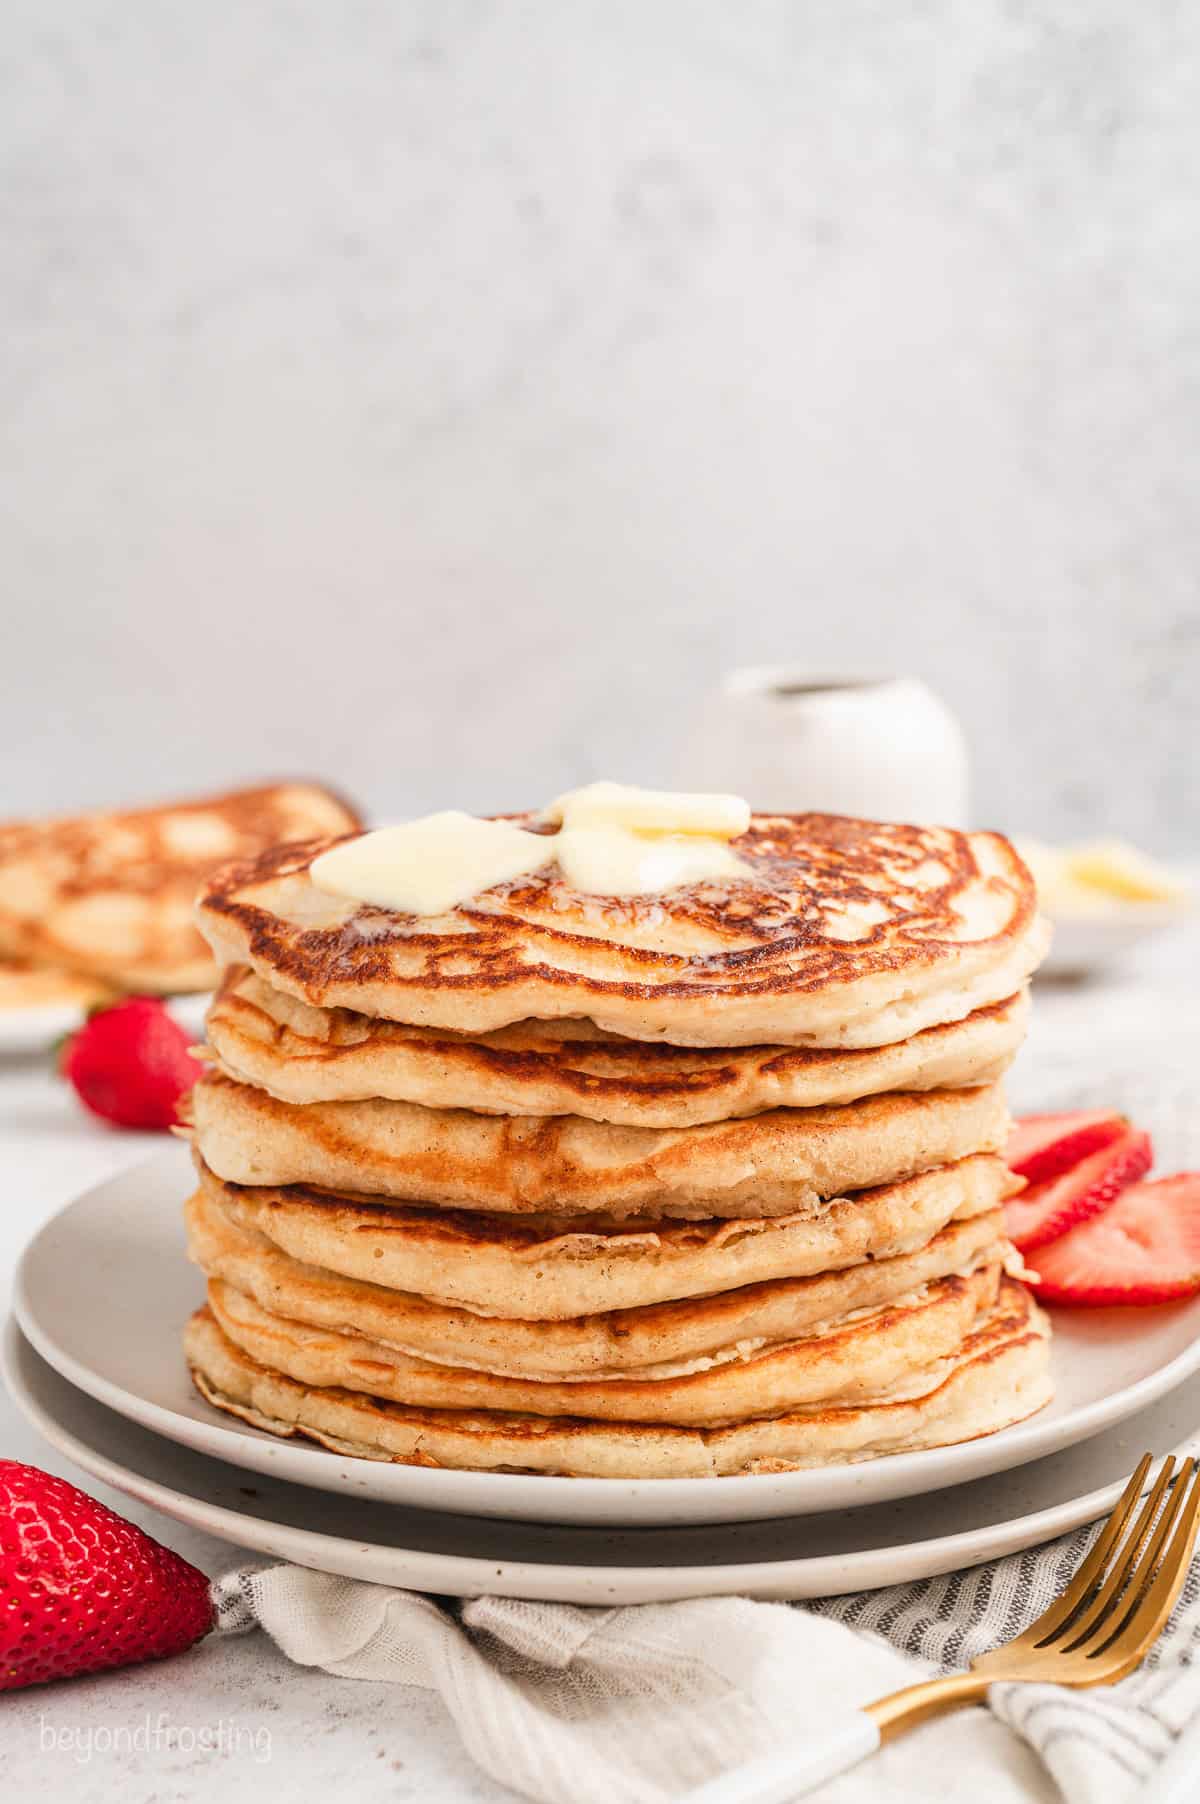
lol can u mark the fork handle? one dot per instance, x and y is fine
(902, 1710)
(793, 1772)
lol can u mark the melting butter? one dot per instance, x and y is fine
(613, 841)
(428, 866)
(659, 811)
(612, 861)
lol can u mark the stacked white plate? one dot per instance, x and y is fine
(94, 1361)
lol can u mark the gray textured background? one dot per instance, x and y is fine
(440, 396)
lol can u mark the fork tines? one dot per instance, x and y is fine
(1124, 1590)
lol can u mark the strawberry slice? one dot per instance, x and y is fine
(1145, 1248)
(1046, 1210)
(1042, 1146)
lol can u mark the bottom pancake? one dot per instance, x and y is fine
(998, 1374)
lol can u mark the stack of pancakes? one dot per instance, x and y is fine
(693, 1184)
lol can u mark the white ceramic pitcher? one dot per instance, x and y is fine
(793, 740)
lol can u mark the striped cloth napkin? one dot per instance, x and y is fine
(567, 1705)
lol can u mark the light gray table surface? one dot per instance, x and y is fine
(1132, 1038)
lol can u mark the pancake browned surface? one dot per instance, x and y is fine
(728, 1326)
(846, 933)
(303, 1054)
(552, 1270)
(871, 1356)
(110, 895)
(769, 1164)
(996, 1376)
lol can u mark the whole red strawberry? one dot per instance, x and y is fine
(82, 1589)
(132, 1064)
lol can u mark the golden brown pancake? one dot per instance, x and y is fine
(846, 934)
(25, 985)
(680, 1335)
(870, 1356)
(771, 1164)
(109, 896)
(996, 1376)
(303, 1054)
(543, 1269)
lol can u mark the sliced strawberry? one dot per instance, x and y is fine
(1042, 1146)
(1145, 1248)
(1045, 1211)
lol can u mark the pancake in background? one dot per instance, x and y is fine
(679, 1335)
(846, 934)
(303, 1054)
(997, 1375)
(109, 896)
(24, 985)
(771, 1164)
(552, 1270)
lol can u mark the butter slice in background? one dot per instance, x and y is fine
(1121, 870)
(1099, 879)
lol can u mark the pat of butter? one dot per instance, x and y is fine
(651, 811)
(612, 861)
(428, 866)
(1123, 871)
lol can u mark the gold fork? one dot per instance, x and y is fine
(1101, 1627)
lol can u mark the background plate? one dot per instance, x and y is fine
(104, 1289)
(36, 1029)
(1085, 943)
(460, 1556)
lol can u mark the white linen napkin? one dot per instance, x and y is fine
(568, 1705)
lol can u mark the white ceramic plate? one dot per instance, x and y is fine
(35, 1029)
(26, 1030)
(462, 1556)
(104, 1289)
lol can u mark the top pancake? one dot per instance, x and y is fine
(847, 933)
(109, 896)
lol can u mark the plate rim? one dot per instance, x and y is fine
(535, 1496)
(33, 1027)
(547, 1580)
